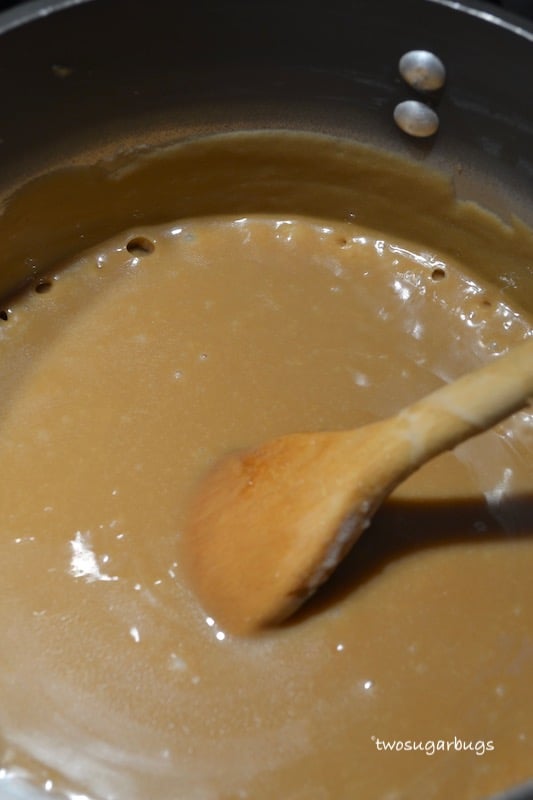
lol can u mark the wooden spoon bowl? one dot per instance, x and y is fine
(268, 526)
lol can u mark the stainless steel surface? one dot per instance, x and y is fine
(416, 118)
(422, 70)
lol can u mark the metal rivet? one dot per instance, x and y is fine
(422, 70)
(416, 119)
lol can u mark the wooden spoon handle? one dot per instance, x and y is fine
(470, 404)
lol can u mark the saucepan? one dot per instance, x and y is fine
(84, 80)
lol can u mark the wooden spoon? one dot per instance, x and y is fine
(268, 526)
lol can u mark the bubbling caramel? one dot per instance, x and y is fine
(141, 363)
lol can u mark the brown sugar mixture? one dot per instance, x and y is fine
(124, 377)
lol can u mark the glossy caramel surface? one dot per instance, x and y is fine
(124, 378)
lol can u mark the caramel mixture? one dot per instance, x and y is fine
(123, 378)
